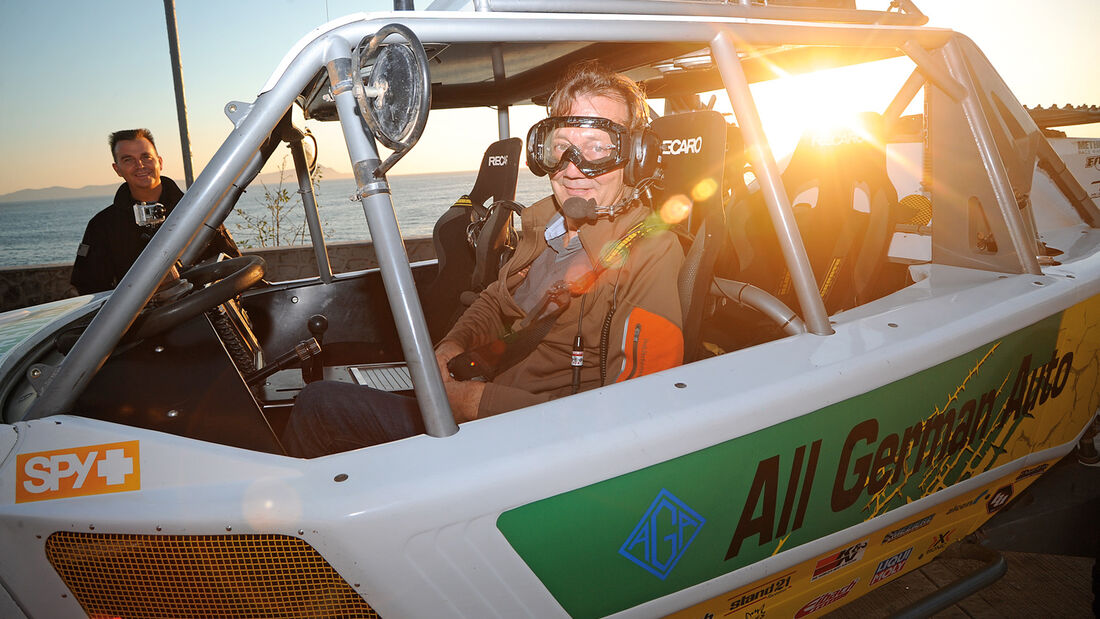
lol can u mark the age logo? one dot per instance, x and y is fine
(664, 533)
(77, 471)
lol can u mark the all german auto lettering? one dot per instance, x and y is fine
(764, 488)
(941, 436)
(870, 461)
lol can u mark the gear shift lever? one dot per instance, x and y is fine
(317, 325)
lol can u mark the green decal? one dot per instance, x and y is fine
(624, 541)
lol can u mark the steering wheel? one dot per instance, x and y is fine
(229, 277)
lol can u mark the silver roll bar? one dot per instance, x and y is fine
(1023, 243)
(771, 185)
(309, 206)
(374, 195)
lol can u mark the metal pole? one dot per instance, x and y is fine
(909, 89)
(408, 316)
(1022, 242)
(177, 82)
(994, 567)
(928, 67)
(206, 232)
(309, 205)
(498, 78)
(767, 173)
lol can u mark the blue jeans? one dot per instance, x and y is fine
(330, 417)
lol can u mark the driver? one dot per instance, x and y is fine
(588, 298)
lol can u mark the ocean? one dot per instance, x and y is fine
(48, 231)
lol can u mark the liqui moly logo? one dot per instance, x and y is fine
(891, 566)
(78, 471)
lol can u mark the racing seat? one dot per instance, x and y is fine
(471, 240)
(846, 209)
(693, 157)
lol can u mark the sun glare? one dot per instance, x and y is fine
(826, 104)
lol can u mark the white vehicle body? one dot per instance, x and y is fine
(743, 469)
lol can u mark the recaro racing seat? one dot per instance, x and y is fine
(846, 209)
(693, 151)
(471, 240)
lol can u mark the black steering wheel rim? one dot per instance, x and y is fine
(230, 278)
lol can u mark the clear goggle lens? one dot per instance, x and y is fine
(594, 145)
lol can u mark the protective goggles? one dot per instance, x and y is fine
(595, 145)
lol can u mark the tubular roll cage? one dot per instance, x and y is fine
(729, 37)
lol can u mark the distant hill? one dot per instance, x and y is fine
(108, 191)
(60, 193)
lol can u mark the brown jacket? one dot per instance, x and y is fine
(645, 334)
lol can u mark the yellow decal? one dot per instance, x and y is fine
(77, 471)
(883, 556)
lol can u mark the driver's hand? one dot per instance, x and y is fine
(465, 399)
(446, 351)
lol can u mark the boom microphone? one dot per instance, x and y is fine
(579, 209)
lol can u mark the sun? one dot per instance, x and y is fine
(825, 103)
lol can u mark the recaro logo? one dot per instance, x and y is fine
(498, 160)
(78, 471)
(682, 146)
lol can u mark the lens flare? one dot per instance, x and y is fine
(704, 189)
(676, 209)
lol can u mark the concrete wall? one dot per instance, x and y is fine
(42, 283)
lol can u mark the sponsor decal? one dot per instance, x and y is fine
(891, 566)
(742, 601)
(907, 529)
(1088, 146)
(682, 146)
(790, 483)
(498, 160)
(999, 499)
(1031, 471)
(663, 534)
(972, 501)
(940, 541)
(839, 559)
(77, 471)
(825, 599)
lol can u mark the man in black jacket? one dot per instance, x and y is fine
(114, 238)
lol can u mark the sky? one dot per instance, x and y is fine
(72, 72)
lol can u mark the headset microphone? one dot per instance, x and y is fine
(579, 209)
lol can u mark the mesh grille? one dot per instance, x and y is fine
(182, 576)
(921, 206)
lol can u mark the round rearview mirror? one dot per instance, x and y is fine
(395, 94)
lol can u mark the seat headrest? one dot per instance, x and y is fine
(693, 152)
